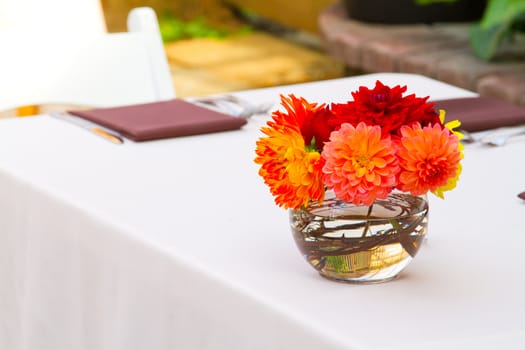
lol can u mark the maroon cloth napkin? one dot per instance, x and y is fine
(159, 120)
(482, 113)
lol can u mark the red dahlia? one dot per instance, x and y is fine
(386, 107)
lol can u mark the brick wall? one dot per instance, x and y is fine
(440, 51)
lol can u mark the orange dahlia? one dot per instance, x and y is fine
(360, 163)
(429, 158)
(311, 118)
(291, 170)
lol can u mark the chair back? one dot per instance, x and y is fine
(95, 70)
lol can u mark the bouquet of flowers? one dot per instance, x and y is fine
(362, 149)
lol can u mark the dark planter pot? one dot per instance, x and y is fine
(407, 11)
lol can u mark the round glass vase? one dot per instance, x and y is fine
(358, 243)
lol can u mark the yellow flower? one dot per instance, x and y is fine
(451, 125)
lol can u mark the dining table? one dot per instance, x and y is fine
(177, 243)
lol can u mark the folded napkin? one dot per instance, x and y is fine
(482, 113)
(158, 120)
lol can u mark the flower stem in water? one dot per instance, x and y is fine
(367, 225)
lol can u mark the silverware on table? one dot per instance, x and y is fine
(495, 137)
(469, 137)
(96, 129)
(500, 139)
(233, 105)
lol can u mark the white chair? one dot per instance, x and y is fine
(96, 70)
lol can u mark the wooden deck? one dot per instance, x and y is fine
(255, 60)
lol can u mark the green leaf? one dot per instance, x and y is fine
(312, 146)
(428, 2)
(500, 19)
(499, 12)
(485, 42)
(172, 29)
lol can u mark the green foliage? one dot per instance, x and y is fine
(338, 263)
(173, 29)
(502, 19)
(428, 2)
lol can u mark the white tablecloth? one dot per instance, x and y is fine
(177, 244)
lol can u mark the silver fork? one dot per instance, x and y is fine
(500, 139)
(234, 105)
(469, 137)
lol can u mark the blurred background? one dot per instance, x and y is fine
(216, 46)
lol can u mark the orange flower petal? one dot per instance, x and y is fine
(292, 173)
(429, 159)
(360, 163)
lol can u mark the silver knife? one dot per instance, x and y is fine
(101, 131)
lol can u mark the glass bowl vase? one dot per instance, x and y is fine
(358, 243)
